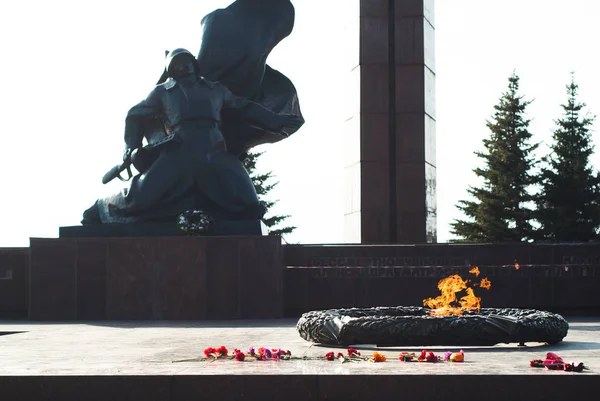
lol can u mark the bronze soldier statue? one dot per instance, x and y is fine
(236, 42)
(192, 169)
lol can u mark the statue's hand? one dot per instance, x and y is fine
(127, 154)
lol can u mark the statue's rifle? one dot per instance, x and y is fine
(139, 158)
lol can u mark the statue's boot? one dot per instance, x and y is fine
(91, 216)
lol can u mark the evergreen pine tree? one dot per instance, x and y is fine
(499, 210)
(567, 205)
(263, 187)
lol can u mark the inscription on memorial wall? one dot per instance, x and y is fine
(589, 260)
(527, 272)
(6, 274)
(439, 262)
(392, 261)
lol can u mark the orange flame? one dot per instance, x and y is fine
(470, 301)
(485, 283)
(517, 267)
(442, 305)
(475, 271)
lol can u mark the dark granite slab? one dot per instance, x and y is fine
(156, 278)
(91, 279)
(53, 279)
(14, 282)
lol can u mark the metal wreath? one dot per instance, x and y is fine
(414, 326)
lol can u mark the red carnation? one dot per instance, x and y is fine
(554, 362)
(240, 356)
(210, 352)
(330, 356)
(222, 351)
(431, 357)
(353, 352)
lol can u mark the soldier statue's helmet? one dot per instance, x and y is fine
(177, 53)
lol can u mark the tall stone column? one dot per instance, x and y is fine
(389, 134)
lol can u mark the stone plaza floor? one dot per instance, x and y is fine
(117, 349)
(149, 348)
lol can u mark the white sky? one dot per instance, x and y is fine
(72, 69)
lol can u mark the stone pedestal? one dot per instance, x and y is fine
(14, 278)
(390, 129)
(162, 229)
(175, 278)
